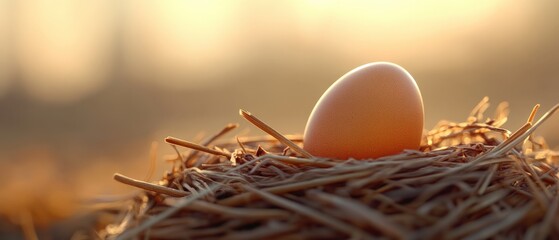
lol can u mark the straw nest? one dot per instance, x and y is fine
(469, 180)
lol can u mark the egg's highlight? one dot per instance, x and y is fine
(372, 111)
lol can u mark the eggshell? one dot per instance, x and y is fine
(372, 111)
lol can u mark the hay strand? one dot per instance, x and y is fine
(351, 231)
(148, 186)
(187, 144)
(264, 127)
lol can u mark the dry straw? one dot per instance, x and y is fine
(470, 180)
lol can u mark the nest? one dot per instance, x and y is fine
(469, 180)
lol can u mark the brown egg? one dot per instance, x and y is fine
(372, 111)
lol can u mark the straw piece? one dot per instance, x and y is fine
(270, 231)
(447, 221)
(149, 186)
(264, 127)
(476, 226)
(508, 144)
(536, 178)
(183, 143)
(533, 113)
(130, 233)
(487, 180)
(503, 221)
(478, 110)
(538, 196)
(249, 196)
(358, 210)
(549, 218)
(228, 128)
(355, 233)
(523, 134)
(295, 160)
(225, 130)
(252, 213)
(269, 139)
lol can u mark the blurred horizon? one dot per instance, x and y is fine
(85, 87)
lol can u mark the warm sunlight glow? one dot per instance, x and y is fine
(399, 13)
(189, 44)
(60, 46)
(176, 39)
(86, 86)
(63, 48)
(389, 23)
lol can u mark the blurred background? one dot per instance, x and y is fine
(87, 86)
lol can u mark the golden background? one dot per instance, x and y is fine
(86, 86)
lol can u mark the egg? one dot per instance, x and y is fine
(372, 111)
